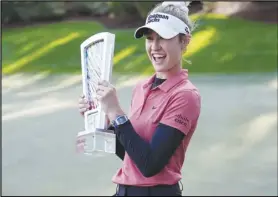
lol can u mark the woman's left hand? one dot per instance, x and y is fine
(107, 97)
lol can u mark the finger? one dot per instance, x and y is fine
(98, 97)
(106, 88)
(82, 110)
(101, 82)
(82, 97)
(102, 88)
(84, 106)
(104, 83)
(82, 101)
(100, 93)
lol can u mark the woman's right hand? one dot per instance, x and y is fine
(83, 105)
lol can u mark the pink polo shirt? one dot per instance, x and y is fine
(176, 103)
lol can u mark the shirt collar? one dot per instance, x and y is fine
(170, 82)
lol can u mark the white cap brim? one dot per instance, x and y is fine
(161, 30)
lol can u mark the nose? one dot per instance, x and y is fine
(156, 45)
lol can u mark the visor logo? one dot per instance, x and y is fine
(186, 30)
(156, 18)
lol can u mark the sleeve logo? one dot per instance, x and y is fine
(181, 120)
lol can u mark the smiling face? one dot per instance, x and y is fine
(165, 54)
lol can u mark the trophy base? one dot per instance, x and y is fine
(99, 140)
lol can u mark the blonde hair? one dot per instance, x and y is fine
(177, 9)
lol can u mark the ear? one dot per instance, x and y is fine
(185, 41)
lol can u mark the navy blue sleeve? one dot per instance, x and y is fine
(120, 150)
(150, 157)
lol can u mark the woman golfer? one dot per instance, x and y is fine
(152, 140)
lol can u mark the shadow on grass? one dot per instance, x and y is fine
(219, 45)
(237, 46)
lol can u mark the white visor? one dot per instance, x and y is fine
(165, 25)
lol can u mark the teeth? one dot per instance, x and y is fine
(158, 56)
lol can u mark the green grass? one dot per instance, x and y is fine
(219, 45)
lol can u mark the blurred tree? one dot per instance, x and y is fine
(123, 9)
(265, 11)
(208, 6)
(124, 12)
(9, 13)
(76, 8)
(31, 11)
(144, 8)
